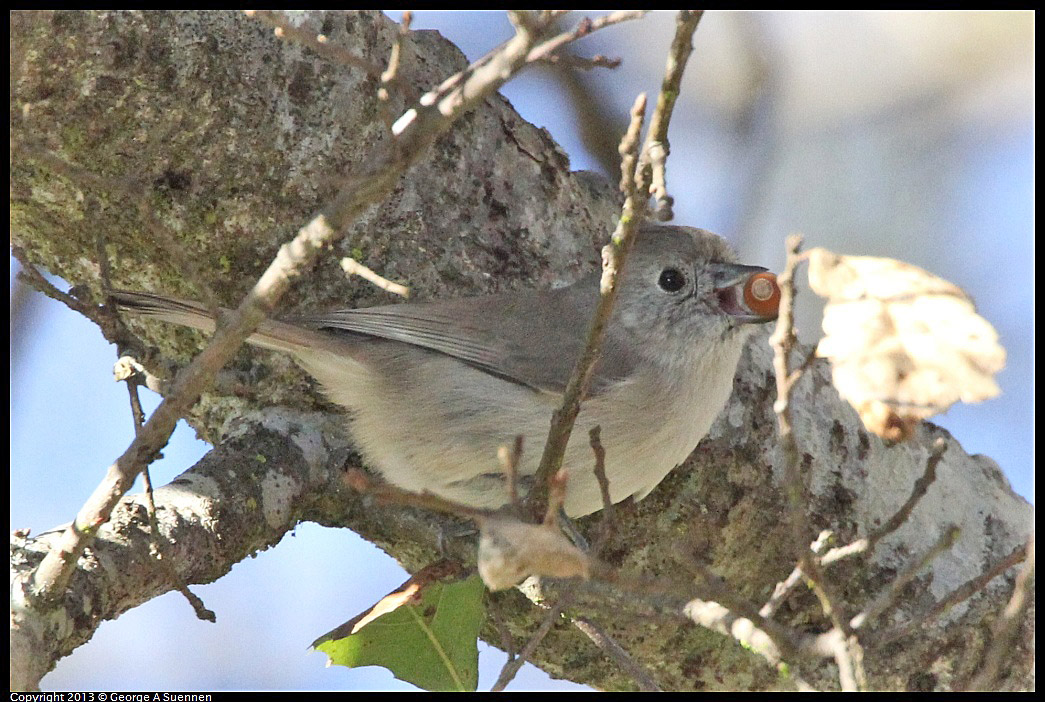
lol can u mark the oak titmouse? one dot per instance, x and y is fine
(433, 389)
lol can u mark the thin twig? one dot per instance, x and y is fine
(784, 587)
(507, 642)
(31, 277)
(959, 594)
(739, 608)
(635, 187)
(715, 617)
(155, 544)
(783, 341)
(457, 90)
(1007, 625)
(715, 606)
(354, 267)
(585, 27)
(511, 668)
(655, 155)
(35, 279)
(584, 63)
(386, 493)
(108, 322)
(617, 654)
(614, 255)
(919, 489)
(600, 638)
(556, 497)
(608, 516)
(391, 73)
(867, 545)
(888, 597)
(599, 126)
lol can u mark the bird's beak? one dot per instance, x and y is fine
(748, 294)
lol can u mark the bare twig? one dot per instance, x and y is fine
(35, 279)
(522, 49)
(785, 644)
(51, 576)
(601, 639)
(507, 642)
(867, 545)
(785, 586)
(920, 487)
(606, 525)
(600, 128)
(108, 322)
(582, 62)
(354, 267)
(714, 616)
(384, 492)
(1007, 625)
(391, 73)
(655, 155)
(511, 668)
(959, 594)
(611, 648)
(556, 497)
(635, 183)
(156, 545)
(888, 597)
(613, 256)
(544, 51)
(716, 607)
(783, 342)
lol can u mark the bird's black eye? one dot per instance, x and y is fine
(671, 280)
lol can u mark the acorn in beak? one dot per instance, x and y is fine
(748, 294)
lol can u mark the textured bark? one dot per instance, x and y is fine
(234, 138)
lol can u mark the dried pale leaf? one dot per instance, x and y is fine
(511, 550)
(904, 344)
(841, 278)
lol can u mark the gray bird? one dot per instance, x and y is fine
(434, 389)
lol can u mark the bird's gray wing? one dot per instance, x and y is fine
(530, 337)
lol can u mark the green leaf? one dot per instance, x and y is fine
(429, 641)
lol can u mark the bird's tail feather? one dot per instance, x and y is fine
(270, 334)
